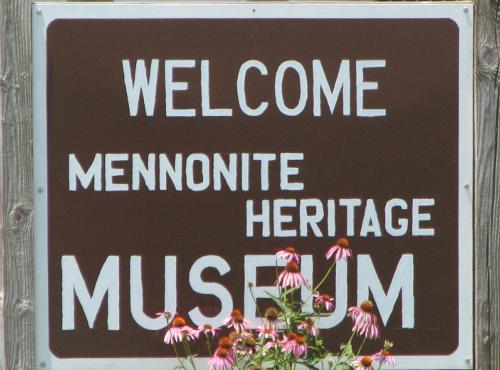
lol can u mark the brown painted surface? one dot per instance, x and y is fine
(410, 153)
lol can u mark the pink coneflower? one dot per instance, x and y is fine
(226, 343)
(364, 320)
(308, 326)
(364, 363)
(340, 250)
(222, 359)
(289, 254)
(206, 329)
(296, 344)
(237, 321)
(324, 301)
(178, 331)
(271, 315)
(291, 276)
(267, 333)
(384, 356)
(246, 344)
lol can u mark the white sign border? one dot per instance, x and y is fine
(460, 12)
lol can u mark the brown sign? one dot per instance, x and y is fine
(177, 139)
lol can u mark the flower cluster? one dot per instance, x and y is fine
(381, 358)
(288, 334)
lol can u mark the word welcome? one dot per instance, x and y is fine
(144, 84)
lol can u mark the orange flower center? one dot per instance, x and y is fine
(271, 314)
(207, 327)
(300, 339)
(367, 306)
(343, 242)
(385, 353)
(178, 322)
(222, 352)
(290, 249)
(309, 321)
(225, 343)
(325, 297)
(250, 342)
(235, 312)
(292, 336)
(233, 336)
(238, 319)
(292, 267)
(366, 361)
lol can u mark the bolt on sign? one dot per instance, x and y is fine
(178, 147)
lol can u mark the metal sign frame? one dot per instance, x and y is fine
(461, 13)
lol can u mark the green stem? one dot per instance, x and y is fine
(343, 350)
(291, 362)
(277, 275)
(177, 355)
(255, 301)
(188, 352)
(324, 277)
(209, 346)
(361, 346)
(237, 365)
(315, 289)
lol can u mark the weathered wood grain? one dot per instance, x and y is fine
(2, 290)
(18, 283)
(487, 236)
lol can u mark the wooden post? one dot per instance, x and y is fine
(17, 233)
(16, 244)
(487, 232)
(2, 290)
